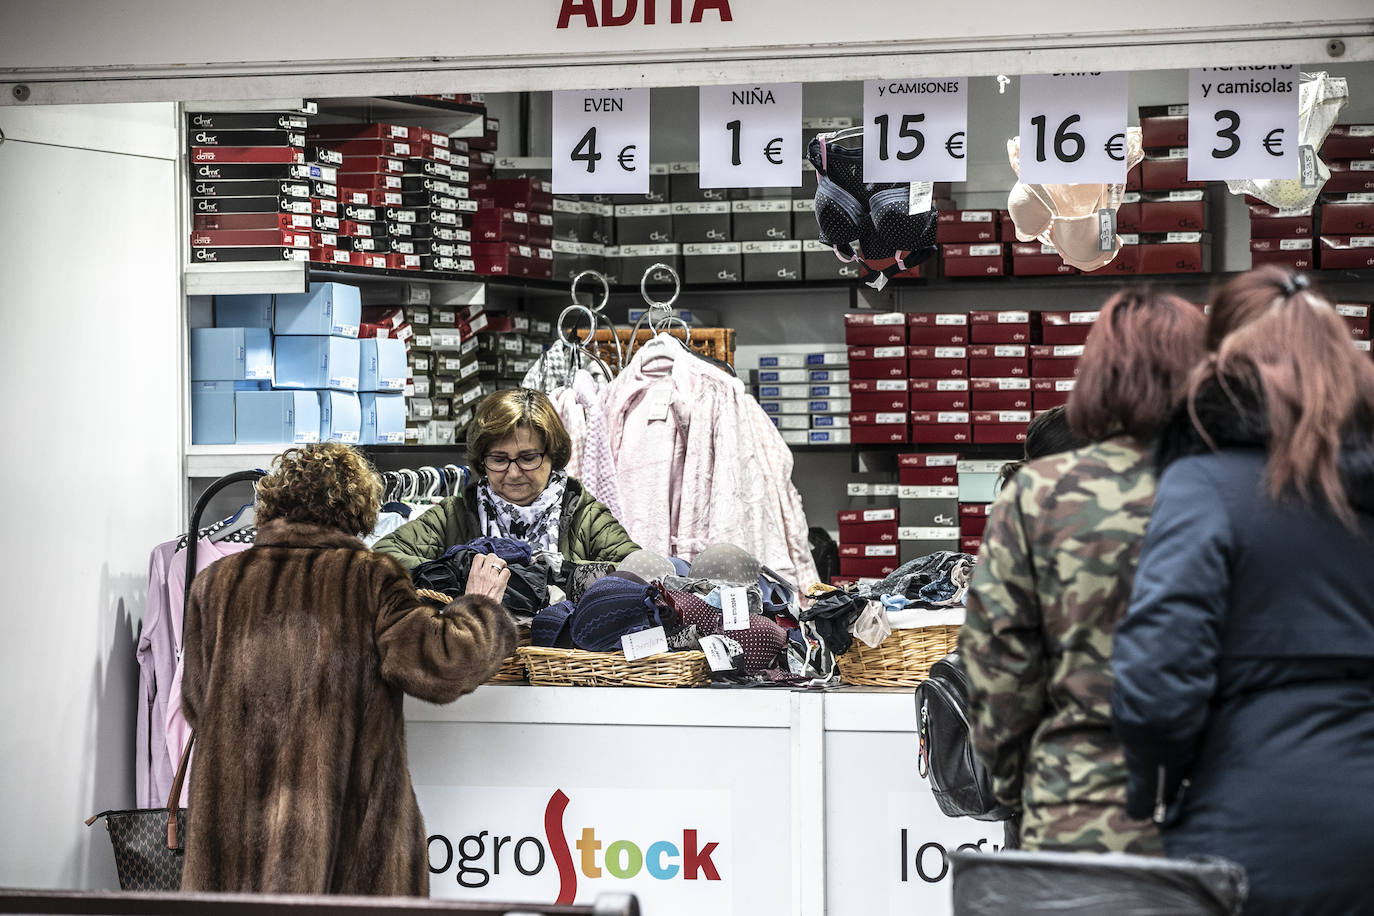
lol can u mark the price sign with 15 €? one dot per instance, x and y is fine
(915, 130)
(601, 141)
(1073, 128)
(1243, 123)
(750, 136)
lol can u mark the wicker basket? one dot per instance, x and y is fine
(901, 660)
(717, 343)
(512, 669)
(575, 668)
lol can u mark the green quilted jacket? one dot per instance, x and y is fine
(587, 531)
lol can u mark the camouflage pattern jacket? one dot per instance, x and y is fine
(1053, 578)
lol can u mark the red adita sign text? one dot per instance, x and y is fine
(647, 10)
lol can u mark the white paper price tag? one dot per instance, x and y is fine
(717, 653)
(1073, 128)
(601, 141)
(645, 643)
(734, 607)
(750, 136)
(1242, 123)
(915, 129)
(659, 399)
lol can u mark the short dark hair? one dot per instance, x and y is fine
(1135, 365)
(501, 413)
(1049, 433)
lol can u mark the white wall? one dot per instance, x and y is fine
(91, 465)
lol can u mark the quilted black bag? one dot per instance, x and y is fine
(961, 784)
(150, 843)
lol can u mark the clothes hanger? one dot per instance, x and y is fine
(659, 317)
(599, 312)
(577, 351)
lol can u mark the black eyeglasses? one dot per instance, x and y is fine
(525, 461)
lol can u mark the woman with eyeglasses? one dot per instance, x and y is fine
(520, 447)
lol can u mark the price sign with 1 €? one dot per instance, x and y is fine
(1243, 123)
(750, 136)
(1073, 128)
(915, 130)
(601, 141)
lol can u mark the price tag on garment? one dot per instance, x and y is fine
(1073, 128)
(652, 641)
(717, 653)
(659, 398)
(750, 136)
(915, 129)
(1243, 123)
(734, 607)
(601, 141)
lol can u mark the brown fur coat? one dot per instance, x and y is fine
(297, 654)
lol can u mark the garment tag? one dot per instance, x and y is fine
(734, 607)
(645, 643)
(1106, 229)
(921, 193)
(717, 655)
(1307, 160)
(659, 398)
(878, 282)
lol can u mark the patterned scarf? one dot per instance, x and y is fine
(536, 524)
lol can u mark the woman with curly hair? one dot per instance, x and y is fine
(298, 654)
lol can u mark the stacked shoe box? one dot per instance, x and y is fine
(506, 350)
(1173, 232)
(978, 483)
(878, 388)
(482, 150)
(999, 375)
(971, 243)
(324, 206)
(1356, 315)
(433, 223)
(371, 178)
(806, 395)
(1058, 329)
(868, 541)
(939, 378)
(513, 227)
(1279, 237)
(454, 388)
(1347, 201)
(768, 253)
(928, 504)
(864, 491)
(250, 187)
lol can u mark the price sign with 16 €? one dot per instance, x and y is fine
(1073, 128)
(751, 136)
(915, 130)
(1243, 123)
(601, 141)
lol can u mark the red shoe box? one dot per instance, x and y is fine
(1280, 227)
(938, 329)
(1001, 394)
(867, 567)
(939, 394)
(868, 526)
(875, 329)
(1350, 176)
(371, 146)
(1349, 141)
(501, 225)
(1008, 228)
(502, 259)
(1346, 252)
(283, 221)
(998, 361)
(1167, 171)
(885, 434)
(1164, 131)
(1295, 253)
(968, 226)
(1055, 360)
(1348, 218)
(1174, 253)
(987, 259)
(383, 165)
(516, 193)
(328, 255)
(233, 238)
(941, 427)
(361, 131)
(877, 362)
(927, 470)
(1000, 426)
(1357, 316)
(1050, 392)
(257, 155)
(1128, 214)
(973, 519)
(876, 418)
(995, 327)
(1035, 259)
(1127, 260)
(1066, 327)
(970, 545)
(1176, 211)
(403, 261)
(879, 401)
(369, 181)
(937, 362)
(367, 259)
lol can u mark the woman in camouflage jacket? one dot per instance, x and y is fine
(1054, 576)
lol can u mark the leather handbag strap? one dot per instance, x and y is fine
(174, 799)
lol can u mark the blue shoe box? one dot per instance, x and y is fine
(328, 309)
(316, 362)
(276, 417)
(384, 419)
(212, 410)
(246, 311)
(231, 354)
(383, 365)
(341, 417)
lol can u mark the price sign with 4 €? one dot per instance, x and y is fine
(1073, 128)
(751, 136)
(915, 130)
(601, 141)
(1242, 123)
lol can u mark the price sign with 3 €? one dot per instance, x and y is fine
(915, 130)
(751, 136)
(601, 141)
(1073, 128)
(1242, 123)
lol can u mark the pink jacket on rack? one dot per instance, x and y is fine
(579, 407)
